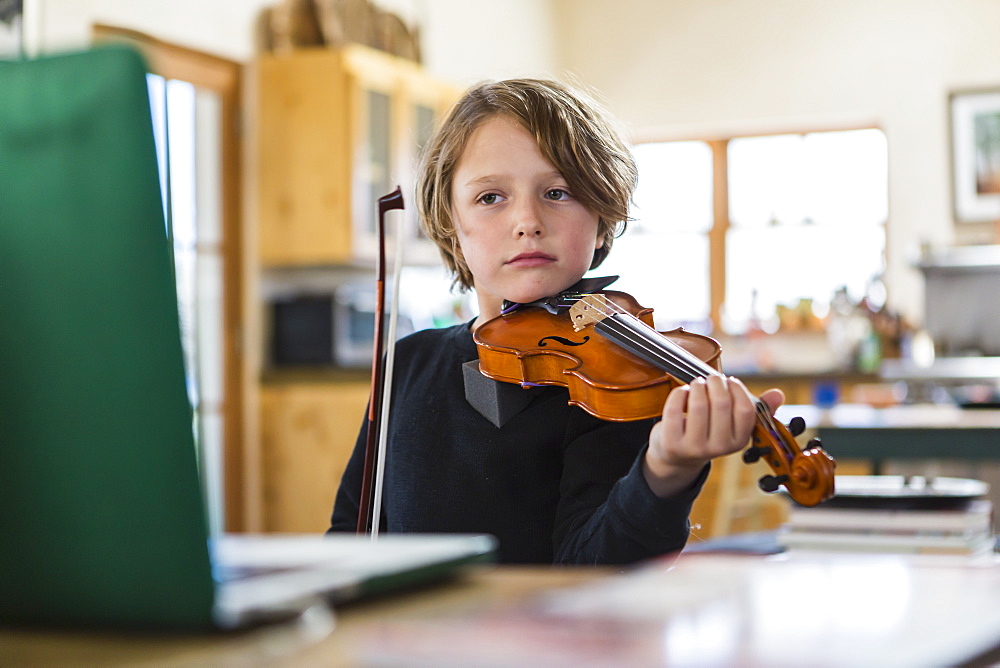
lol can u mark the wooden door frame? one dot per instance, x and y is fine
(225, 78)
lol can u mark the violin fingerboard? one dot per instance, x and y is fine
(624, 332)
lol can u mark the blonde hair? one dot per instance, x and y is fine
(573, 132)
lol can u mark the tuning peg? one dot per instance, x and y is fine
(755, 452)
(815, 443)
(771, 483)
(796, 426)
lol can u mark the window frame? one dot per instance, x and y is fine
(721, 223)
(224, 77)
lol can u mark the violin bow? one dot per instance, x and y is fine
(390, 357)
(378, 401)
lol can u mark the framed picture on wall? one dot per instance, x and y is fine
(975, 154)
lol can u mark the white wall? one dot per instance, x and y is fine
(680, 68)
(463, 40)
(466, 41)
(221, 27)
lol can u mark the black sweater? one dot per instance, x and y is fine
(553, 484)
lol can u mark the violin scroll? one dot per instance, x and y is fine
(806, 473)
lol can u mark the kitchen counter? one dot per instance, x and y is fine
(919, 431)
(960, 369)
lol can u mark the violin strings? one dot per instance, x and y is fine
(668, 348)
(658, 349)
(639, 338)
(618, 332)
(764, 414)
(653, 351)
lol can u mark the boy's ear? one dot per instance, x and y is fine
(600, 241)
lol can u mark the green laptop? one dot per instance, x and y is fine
(102, 514)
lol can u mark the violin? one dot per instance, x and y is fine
(603, 348)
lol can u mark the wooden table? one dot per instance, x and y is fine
(820, 610)
(334, 641)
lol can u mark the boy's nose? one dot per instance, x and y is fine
(528, 220)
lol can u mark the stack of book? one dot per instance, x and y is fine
(963, 530)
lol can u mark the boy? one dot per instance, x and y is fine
(523, 189)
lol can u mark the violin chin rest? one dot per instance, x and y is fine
(497, 402)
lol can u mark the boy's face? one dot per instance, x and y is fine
(523, 234)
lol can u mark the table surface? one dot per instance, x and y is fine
(336, 641)
(704, 609)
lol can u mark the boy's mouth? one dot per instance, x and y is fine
(534, 259)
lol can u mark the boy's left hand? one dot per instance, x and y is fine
(709, 418)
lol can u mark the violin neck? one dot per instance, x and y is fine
(643, 341)
(808, 476)
(653, 348)
(647, 344)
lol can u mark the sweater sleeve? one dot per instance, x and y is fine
(607, 512)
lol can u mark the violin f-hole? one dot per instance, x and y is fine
(561, 339)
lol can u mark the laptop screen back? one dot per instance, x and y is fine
(101, 515)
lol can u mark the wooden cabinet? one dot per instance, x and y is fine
(334, 130)
(308, 431)
(329, 132)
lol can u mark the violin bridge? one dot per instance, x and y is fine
(590, 310)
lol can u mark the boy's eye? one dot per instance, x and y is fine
(488, 198)
(556, 194)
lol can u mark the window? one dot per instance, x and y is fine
(666, 243)
(728, 230)
(187, 132)
(194, 99)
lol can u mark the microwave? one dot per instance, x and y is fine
(335, 328)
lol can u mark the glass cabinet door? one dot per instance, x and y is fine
(394, 110)
(427, 102)
(424, 119)
(187, 128)
(378, 160)
(374, 172)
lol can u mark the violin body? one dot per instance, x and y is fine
(535, 347)
(604, 350)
